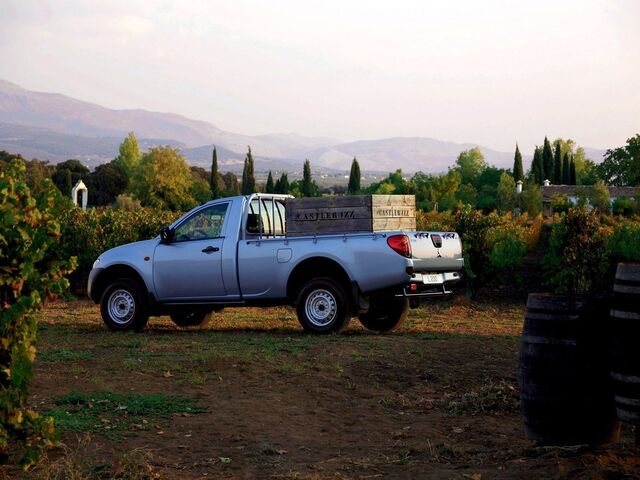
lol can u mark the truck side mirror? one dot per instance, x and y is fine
(167, 235)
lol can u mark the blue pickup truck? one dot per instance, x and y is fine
(235, 252)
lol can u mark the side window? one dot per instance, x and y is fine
(259, 218)
(205, 224)
(280, 219)
(266, 218)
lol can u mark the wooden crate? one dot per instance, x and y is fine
(351, 213)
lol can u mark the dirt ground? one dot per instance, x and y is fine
(254, 397)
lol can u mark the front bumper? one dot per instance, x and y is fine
(91, 284)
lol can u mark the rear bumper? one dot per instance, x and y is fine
(430, 284)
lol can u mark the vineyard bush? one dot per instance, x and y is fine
(577, 260)
(625, 206)
(623, 241)
(30, 273)
(494, 245)
(86, 234)
(507, 246)
(435, 221)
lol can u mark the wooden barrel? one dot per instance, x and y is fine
(625, 342)
(563, 374)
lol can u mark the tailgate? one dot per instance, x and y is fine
(436, 251)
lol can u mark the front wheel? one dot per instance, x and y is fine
(323, 306)
(123, 306)
(385, 313)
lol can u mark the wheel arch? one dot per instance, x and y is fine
(317, 267)
(113, 272)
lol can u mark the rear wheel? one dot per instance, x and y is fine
(189, 319)
(123, 306)
(323, 306)
(385, 313)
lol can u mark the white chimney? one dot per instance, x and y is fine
(546, 183)
(519, 187)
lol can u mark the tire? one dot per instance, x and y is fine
(385, 313)
(323, 306)
(123, 306)
(189, 319)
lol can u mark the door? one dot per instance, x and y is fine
(263, 256)
(190, 268)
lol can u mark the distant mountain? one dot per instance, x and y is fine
(409, 153)
(594, 154)
(44, 144)
(67, 115)
(56, 127)
(63, 114)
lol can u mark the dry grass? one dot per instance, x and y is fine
(458, 316)
(67, 463)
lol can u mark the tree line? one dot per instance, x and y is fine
(162, 178)
(471, 181)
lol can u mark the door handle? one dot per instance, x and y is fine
(210, 249)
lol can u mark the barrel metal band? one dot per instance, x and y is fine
(624, 281)
(633, 402)
(556, 311)
(625, 378)
(548, 341)
(625, 315)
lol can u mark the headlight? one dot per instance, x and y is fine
(95, 264)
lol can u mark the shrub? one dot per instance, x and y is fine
(30, 273)
(577, 261)
(127, 202)
(560, 204)
(86, 234)
(531, 199)
(624, 242)
(434, 221)
(507, 247)
(599, 197)
(625, 206)
(534, 231)
(472, 226)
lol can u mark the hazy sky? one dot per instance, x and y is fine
(491, 72)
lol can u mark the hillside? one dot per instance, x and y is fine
(56, 127)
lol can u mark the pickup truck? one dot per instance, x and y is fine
(234, 252)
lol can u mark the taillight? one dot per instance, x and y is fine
(400, 244)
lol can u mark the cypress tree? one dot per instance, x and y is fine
(306, 188)
(354, 178)
(566, 170)
(557, 165)
(213, 182)
(547, 161)
(518, 171)
(248, 179)
(282, 184)
(68, 183)
(537, 170)
(269, 187)
(572, 172)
